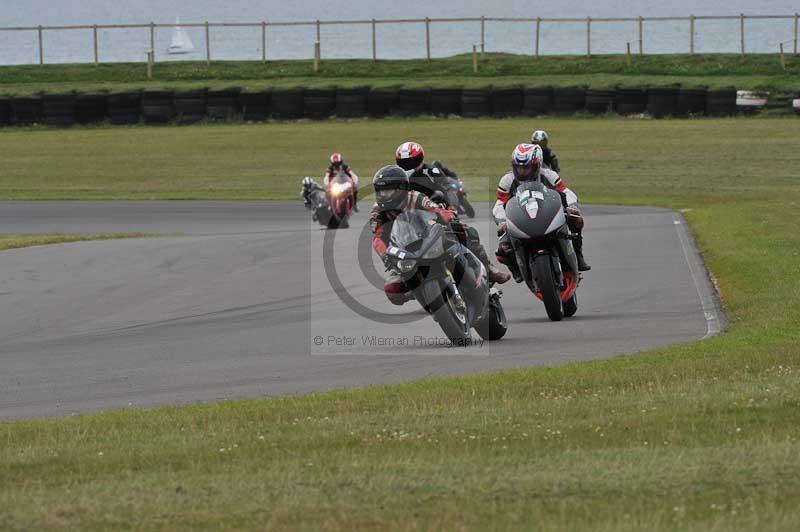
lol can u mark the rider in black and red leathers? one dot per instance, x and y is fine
(392, 197)
(424, 178)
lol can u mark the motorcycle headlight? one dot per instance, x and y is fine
(406, 265)
(338, 188)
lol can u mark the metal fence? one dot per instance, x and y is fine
(531, 28)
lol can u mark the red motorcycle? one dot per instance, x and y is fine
(342, 195)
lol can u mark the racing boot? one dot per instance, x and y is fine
(493, 273)
(510, 261)
(577, 243)
(355, 199)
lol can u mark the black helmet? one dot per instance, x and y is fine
(391, 187)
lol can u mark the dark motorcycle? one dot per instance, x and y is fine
(341, 191)
(542, 242)
(452, 188)
(446, 278)
(320, 205)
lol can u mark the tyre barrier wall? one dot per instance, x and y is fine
(475, 103)
(189, 107)
(600, 101)
(158, 107)
(223, 105)
(255, 106)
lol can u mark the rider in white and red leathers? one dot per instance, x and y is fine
(338, 166)
(527, 164)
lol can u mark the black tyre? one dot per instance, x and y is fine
(569, 100)
(475, 103)
(599, 101)
(287, 103)
(662, 102)
(445, 102)
(319, 103)
(351, 102)
(380, 102)
(537, 101)
(255, 105)
(506, 102)
(496, 325)
(691, 102)
(542, 269)
(452, 321)
(721, 102)
(412, 102)
(571, 305)
(631, 101)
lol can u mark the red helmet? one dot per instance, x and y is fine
(336, 160)
(409, 156)
(526, 161)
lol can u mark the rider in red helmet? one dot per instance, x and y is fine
(338, 166)
(410, 156)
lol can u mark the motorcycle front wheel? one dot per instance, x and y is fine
(467, 207)
(447, 314)
(542, 269)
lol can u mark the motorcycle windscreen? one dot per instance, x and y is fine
(534, 211)
(411, 228)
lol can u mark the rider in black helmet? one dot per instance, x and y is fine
(393, 195)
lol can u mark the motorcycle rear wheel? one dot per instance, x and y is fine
(542, 269)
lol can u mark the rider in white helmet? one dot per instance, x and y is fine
(526, 165)
(539, 137)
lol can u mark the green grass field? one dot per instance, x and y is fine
(758, 71)
(691, 437)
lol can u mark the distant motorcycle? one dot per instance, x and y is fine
(453, 190)
(538, 231)
(447, 279)
(341, 192)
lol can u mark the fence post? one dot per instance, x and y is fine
(150, 64)
(374, 42)
(796, 17)
(208, 46)
(538, 26)
(94, 35)
(263, 41)
(483, 34)
(428, 37)
(474, 59)
(641, 36)
(691, 34)
(153, 39)
(319, 37)
(588, 36)
(41, 46)
(741, 31)
(628, 46)
(783, 59)
(316, 56)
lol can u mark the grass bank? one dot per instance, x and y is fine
(8, 241)
(690, 437)
(759, 71)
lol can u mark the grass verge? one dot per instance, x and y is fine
(759, 71)
(690, 437)
(24, 241)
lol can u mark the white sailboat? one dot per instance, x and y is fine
(181, 43)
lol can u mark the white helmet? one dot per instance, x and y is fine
(539, 137)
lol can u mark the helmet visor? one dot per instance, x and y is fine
(390, 197)
(523, 173)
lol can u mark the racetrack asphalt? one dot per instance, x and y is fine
(240, 305)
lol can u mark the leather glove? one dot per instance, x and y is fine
(502, 228)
